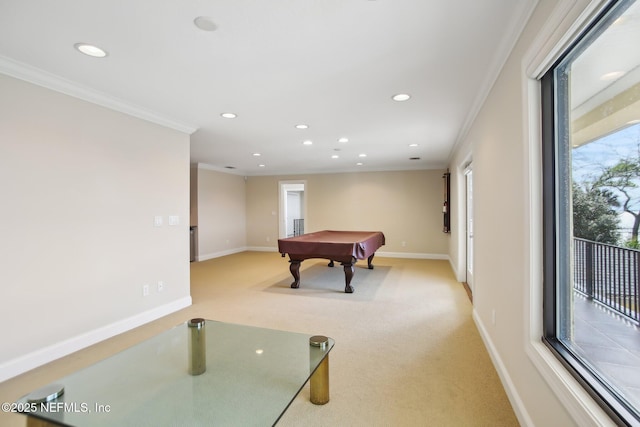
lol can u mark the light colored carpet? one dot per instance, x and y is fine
(407, 352)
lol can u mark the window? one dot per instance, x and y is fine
(591, 213)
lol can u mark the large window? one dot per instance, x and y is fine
(591, 161)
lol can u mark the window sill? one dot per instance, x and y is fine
(579, 404)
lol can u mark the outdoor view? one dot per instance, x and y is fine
(606, 188)
(606, 218)
(603, 88)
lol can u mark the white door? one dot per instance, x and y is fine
(293, 206)
(293, 210)
(468, 174)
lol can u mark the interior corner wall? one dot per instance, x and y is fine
(221, 204)
(405, 205)
(193, 196)
(81, 186)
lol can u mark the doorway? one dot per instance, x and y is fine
(293, 208)
(468, 179)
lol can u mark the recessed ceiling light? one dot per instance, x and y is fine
(401, 97)
(343, 140)
(261, 165)
(335, 156)
(302, 126)
(362, 155)
(205, 23)
(612, 75)
(359, 164)
(307, 142)
(229, 115)
(413, 145)
(257, 154)
(90, 50)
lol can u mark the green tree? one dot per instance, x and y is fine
(623, 178)
(594, 214)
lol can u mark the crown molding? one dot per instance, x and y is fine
(51, 81)
(514, 29)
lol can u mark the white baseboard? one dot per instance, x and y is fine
(516, 401)
(48, 354)
(412, 255)
(220, 254)
(262, 248)
(461, 276)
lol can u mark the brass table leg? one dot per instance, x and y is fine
(320, 383)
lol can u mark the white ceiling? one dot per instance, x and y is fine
(331, 64)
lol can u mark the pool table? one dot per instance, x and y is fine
(345, 247)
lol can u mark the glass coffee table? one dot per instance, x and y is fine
(200, 373)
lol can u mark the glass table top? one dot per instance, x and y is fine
(252, 375)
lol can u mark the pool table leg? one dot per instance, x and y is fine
(348, 275)
(370, 260)
(294, 268)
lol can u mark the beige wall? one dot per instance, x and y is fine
(504, 144)
(406, 206)
(221, 214)
(80, 186)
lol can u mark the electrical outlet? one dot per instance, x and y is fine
(160, 286)
(145, 290)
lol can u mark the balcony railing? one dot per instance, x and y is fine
(609, 275)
